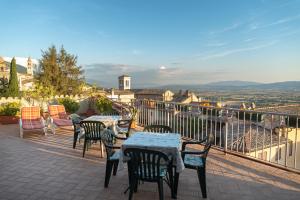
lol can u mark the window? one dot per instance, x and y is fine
(127, 83)
(290, 148)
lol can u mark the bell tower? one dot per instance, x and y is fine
(29, 66)
(124, 82)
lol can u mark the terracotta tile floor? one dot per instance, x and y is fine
(46, 167)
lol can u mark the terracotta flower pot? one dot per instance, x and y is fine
(9, 119)
(133, 124)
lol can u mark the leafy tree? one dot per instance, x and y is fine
(13, 86)
(59, 69)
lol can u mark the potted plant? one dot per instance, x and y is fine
(133, 113)
(104, 105)
(70, 105)
(9, 113)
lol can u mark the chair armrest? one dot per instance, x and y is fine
(123, 122)
(191, 142)
(120, 138)
(113, 147)
(20, 122)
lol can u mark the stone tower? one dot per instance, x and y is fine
(124, 82)
(29, 66)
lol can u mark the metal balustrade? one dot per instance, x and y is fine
(270, 137)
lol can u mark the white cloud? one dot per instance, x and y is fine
(226, 29)
(162, 67)
(238, 50)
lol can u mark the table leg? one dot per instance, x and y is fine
(176, 180)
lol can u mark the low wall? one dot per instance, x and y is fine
(82, 100)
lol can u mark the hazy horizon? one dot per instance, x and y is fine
(161, 42)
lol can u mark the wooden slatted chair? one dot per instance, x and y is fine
(59, 117)
(31, 120)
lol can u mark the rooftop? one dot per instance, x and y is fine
(46, 167)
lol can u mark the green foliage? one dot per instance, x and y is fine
(71, 106)
(13, 86)
(3, 86)
(60, 70)
(39, 94)
(9, 109)
(104, 105)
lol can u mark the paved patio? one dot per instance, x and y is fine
(46, 167)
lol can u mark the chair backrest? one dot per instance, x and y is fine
(108, 138)
(126, 123)
(57, 111)
(146, 164)
(92, 129)
(208, 143)
(31, 113)
(158, 129)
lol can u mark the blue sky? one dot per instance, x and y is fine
(161, 42)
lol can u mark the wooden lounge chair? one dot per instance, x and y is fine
(31, 120)
(58, 117)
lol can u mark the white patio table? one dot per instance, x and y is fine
(168, 143)
(107, 120)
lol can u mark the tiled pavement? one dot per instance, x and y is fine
(46, 167)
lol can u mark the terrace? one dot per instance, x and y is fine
(47, 167)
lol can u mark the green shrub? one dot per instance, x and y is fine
(71, 106)
(10, 109)
(104, 105)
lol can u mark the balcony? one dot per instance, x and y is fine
(46, 167)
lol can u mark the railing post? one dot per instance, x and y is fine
(225, 138)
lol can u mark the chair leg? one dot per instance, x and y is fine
(132, 187)
(75, 139)
(84, 147)
(116, 163)
(176, 180)
(202, 181)
(171, 182)
(160, 189)
(109, 166)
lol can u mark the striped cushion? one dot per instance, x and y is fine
(57, 111)
(32, 124)
(31, 113)
(62, 122)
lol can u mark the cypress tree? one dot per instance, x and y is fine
(13, 86)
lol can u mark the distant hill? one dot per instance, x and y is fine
(238, 85)
(233, 83)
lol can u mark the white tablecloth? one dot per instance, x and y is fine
(107, 120)
(168, 143)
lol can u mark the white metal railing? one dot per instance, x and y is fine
(266, 136)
